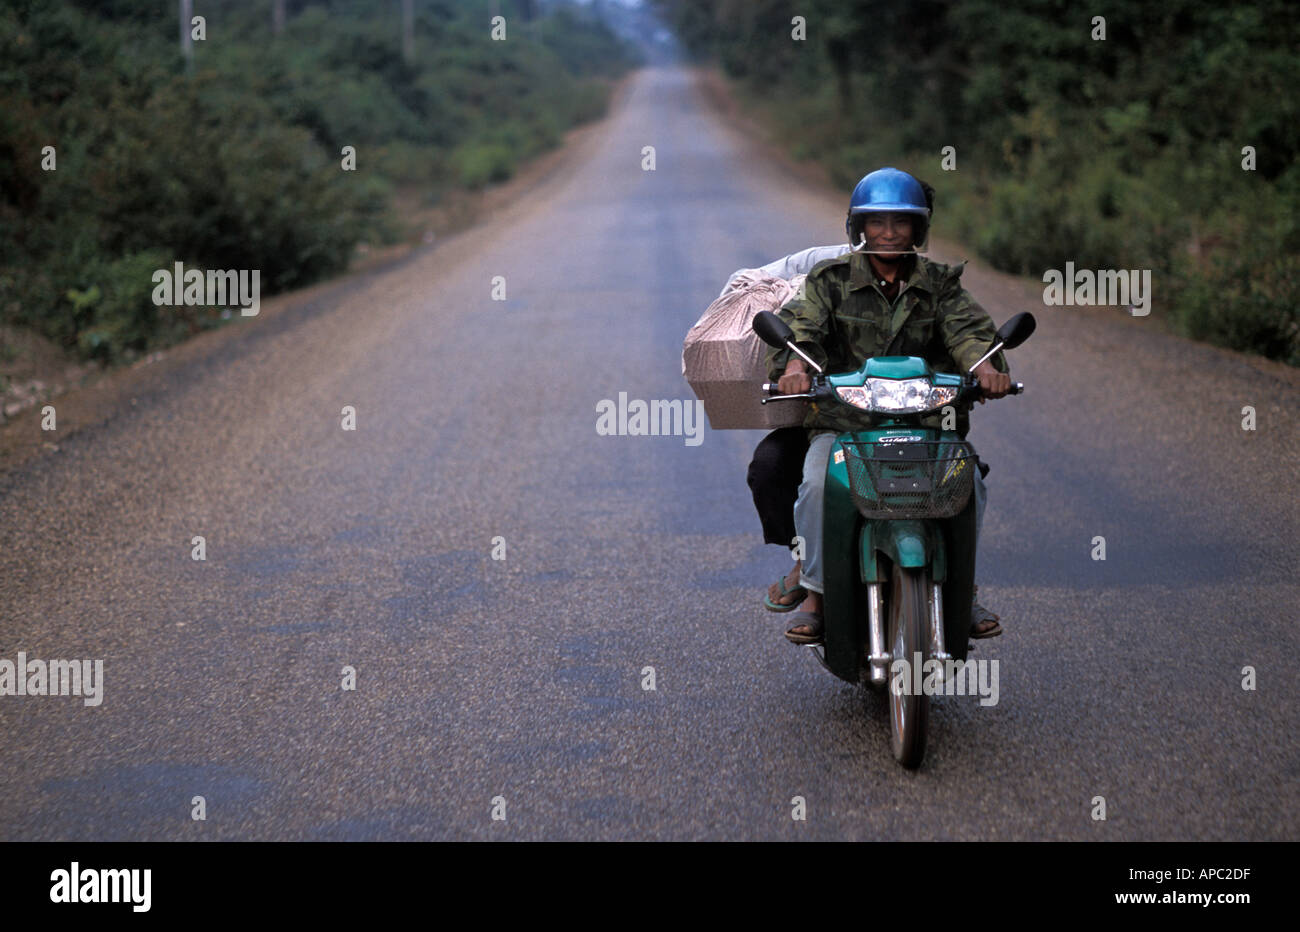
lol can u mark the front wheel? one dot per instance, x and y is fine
(909, 707)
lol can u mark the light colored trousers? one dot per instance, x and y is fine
(808, 509)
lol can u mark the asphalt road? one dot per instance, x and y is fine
(522, 678)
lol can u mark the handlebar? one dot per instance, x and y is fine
(772, 391)
(971, 391)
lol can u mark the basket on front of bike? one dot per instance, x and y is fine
(918, 479)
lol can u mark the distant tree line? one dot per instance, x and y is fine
(1171, 144)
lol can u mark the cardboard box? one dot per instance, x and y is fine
(724, 361)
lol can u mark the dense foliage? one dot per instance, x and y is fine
(1122, 153)
(235, 162)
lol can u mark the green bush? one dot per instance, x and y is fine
(235, 162)
(114, 314)
(1250, 303)
(479, 165)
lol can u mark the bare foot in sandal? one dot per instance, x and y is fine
(809, 630)
(984, 624)
(785, 595)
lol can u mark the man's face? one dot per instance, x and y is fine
(889, 235)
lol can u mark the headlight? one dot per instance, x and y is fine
(898, 396)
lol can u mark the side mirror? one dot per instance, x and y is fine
(1016, 330)
(773, 331)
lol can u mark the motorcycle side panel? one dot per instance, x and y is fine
(958, 586)
(845, 603)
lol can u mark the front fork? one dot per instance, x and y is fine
(877, 657)
(937, 649)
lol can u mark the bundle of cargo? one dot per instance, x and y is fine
(726, 363)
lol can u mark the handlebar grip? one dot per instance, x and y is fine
(771, 388)
(973, 388)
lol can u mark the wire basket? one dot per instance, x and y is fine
(918, 479)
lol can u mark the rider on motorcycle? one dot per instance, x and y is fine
(880, 299)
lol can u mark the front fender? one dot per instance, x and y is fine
(911, 544)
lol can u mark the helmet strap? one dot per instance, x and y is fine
(863, 250)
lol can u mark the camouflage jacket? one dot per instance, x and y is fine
(842, 317)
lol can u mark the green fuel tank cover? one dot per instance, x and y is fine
(885, 367)
(897, 367)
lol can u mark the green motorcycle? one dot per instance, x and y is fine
(899, 527)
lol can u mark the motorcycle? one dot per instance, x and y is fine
(899, 526)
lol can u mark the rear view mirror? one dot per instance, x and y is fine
(1015, 331)
(773, 331)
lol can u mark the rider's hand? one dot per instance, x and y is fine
(994, 383)
(795, 380)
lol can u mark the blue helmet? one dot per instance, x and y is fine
(888, 189)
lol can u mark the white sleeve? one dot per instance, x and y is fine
(799, 263)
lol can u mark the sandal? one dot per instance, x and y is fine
(984, 624)
(805, 619)
(771, 606)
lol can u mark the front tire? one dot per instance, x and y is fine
(906, 634)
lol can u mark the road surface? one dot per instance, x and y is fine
(516, 684)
